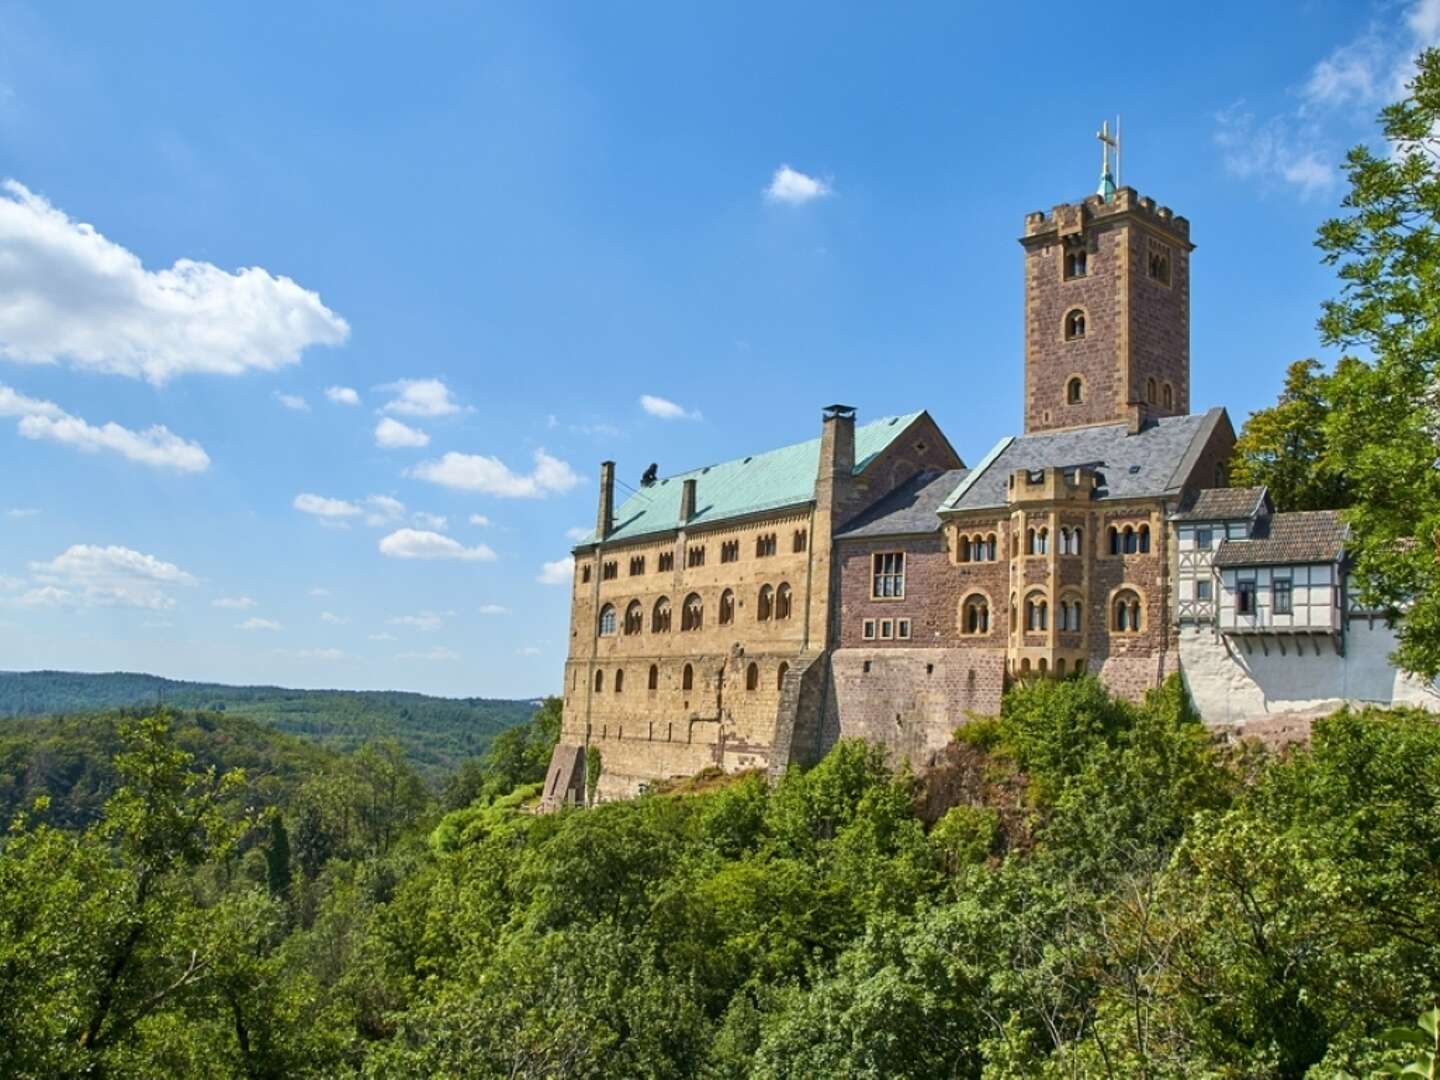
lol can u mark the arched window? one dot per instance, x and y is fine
(1074, 325)
(1167, 396)
(607, 620)
(1150, 391)
(687, 678)
(1060, 667)
(1042, 539)
(660, 620)
(727, 608)
(975, 618)
(782, 601)
(1131, 541)
(990, 548)
(1064, 540)
(1030, 542)
(765, 606)
(780, 675)
(1076, 615)
(1043, 665)
(965, 549)
(1127, 614)
(1037, 612)
(1074, 391)
(599, 681)
(752, 676)
(692, 615)
(654, 677)
(619, 680)
(1070, 615)
(1114, 540)
(1075, 540)
(1143, 539)
(634, 618)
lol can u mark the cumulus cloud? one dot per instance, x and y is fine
(89, 575)
(424, 621)
(268, 625)
(233, 603)
(18, 512)
(382, 510)
(439, 652)
(493, 609)
(423, 544)
(325, 508)
(490, 475)
(667, 410)
(318, 591)
(156, 446)
(794, 188)
(382, 637)
(527, 650)
(391, 434)
(420, 397)
(479, 519)
(333, 619)
(577, 533)
(292, 401)
(72, 294)
(559, 572)
(438, 522)
(342, 395)
(320, 654)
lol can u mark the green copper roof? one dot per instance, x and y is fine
(767, 481)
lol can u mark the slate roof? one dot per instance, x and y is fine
(1224, 504)
(1153, 462)
(1305, 536)
(911, 508)
(766, 481)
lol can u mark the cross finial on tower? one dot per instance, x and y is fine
(1108, 142)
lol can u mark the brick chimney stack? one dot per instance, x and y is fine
(687, 501)
(605, 515)
(835, 482)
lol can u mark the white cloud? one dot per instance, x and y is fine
(559, 572)
(425, 621)
(490, 475)
(527, 650)
(577, 533)
(667, 410)
(21, 512)
(439, 652)
(292, 401)
(382, 510)
(325, 508)
(1298, 148)
(391, 434)
(794, 188)
(382, 637)
(156, 446)
(88, 575)
(318, 591)
(494, 609)
(422, 544)
(72, 294)
(269, 625)
(333, 619)
(420, 397)
(479, 519)
(342, 395)
(10, 584)
(233, 603)
(320, 654)
(438, 522)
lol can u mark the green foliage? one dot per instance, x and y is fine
(436, 733)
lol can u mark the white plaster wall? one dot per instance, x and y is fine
(1230, 686)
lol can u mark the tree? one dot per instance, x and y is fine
(277, 857)
(1283, 448)
(1383, 431)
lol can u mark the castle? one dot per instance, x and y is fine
(869, 583)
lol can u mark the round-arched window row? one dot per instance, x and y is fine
(1129, 540)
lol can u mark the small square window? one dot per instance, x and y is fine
(887, 629)
(1202, 590)
(902, 629)
(1205, 538)
(869, 630)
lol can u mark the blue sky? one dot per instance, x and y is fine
(501, 232)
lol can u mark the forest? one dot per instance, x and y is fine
(437, 734)
(1082, 887)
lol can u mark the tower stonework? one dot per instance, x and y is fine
(1107, 313)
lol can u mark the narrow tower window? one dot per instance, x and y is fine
(1074, 391)
(1074, 325)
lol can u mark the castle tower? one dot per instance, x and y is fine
(1107, 312)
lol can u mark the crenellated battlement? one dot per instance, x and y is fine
(1073, 217)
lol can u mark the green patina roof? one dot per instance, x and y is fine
(750, 485)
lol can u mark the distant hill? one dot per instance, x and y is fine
(437, 733)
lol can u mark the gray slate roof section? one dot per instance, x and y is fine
(1147, 464)
(910, 509)
(1224, 504)
(1307, 536)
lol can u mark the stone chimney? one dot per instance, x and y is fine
(687, 501)
(605, 515)
(835, 482)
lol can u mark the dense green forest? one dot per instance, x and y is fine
(436, 733)
(1082, 888)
